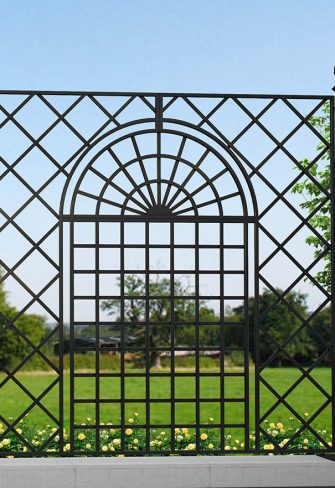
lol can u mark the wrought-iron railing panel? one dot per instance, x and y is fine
(100, 187)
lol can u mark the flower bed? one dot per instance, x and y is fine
(279, 437)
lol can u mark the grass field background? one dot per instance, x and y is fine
(306, 398)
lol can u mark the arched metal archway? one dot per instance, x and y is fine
(152, 182)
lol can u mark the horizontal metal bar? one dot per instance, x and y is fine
(163, 94)
(152, 297)
(163, 322)
(163, 375)
(158, 218)
(157, 349)
(157, 271)
(159, 400)
(155, 452)
(157, 246)
(155, 426)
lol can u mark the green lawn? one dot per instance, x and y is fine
(306, 398)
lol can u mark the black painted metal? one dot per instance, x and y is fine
(154, 200)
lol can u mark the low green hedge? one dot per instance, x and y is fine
(279, 438)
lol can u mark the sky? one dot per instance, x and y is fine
(277, 47)
(186, 45)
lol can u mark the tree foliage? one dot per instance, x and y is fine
(277, 321)
(14, 347)
(159, 314)
(315, 197)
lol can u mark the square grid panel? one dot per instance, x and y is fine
(156, 252)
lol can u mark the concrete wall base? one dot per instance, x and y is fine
(169, 472)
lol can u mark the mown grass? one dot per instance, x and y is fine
(305, 398)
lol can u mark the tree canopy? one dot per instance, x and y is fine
(315, 198)
(13, 347)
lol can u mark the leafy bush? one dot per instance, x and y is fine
(279, 438)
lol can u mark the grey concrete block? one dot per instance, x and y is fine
(169, 472)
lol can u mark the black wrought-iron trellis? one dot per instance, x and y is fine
(147, 159)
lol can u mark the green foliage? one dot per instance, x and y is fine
(277, 321)
(13, 347)
(159, 314)
(279, 437)
(315, 197)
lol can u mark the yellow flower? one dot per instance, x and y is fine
(53, 429)
(159, 443)
(135, 441)
(191, 447)
(81, 436)
(306, 414)
(306, 441)
(282, 431)
(176, 430)
(211, 419)
(163, 434)
(112, 431)
(203, 437)
(210, 446)
(136, 414)
(269, 447)
(179, 438)
(272, 425)
(6, 442)
(116, 442)
(227, 448)
(129, 431)
(67, 447)
(184, 430)
(280, 425)
(88, 446)
(130, 421)
(19, 431)
(187, 437)
(65, 437)
(121, 455)
(104, 448)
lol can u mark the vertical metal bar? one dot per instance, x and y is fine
(72, 412)
(256, 336)
(197, 337)
(97, 340)
(122, 339)
(159, 126)
(159, 172)
(147, 337)
(222, 339)
(332, 211)
(159, 112)
(172, 338)
(61, 338)
(246, 334)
